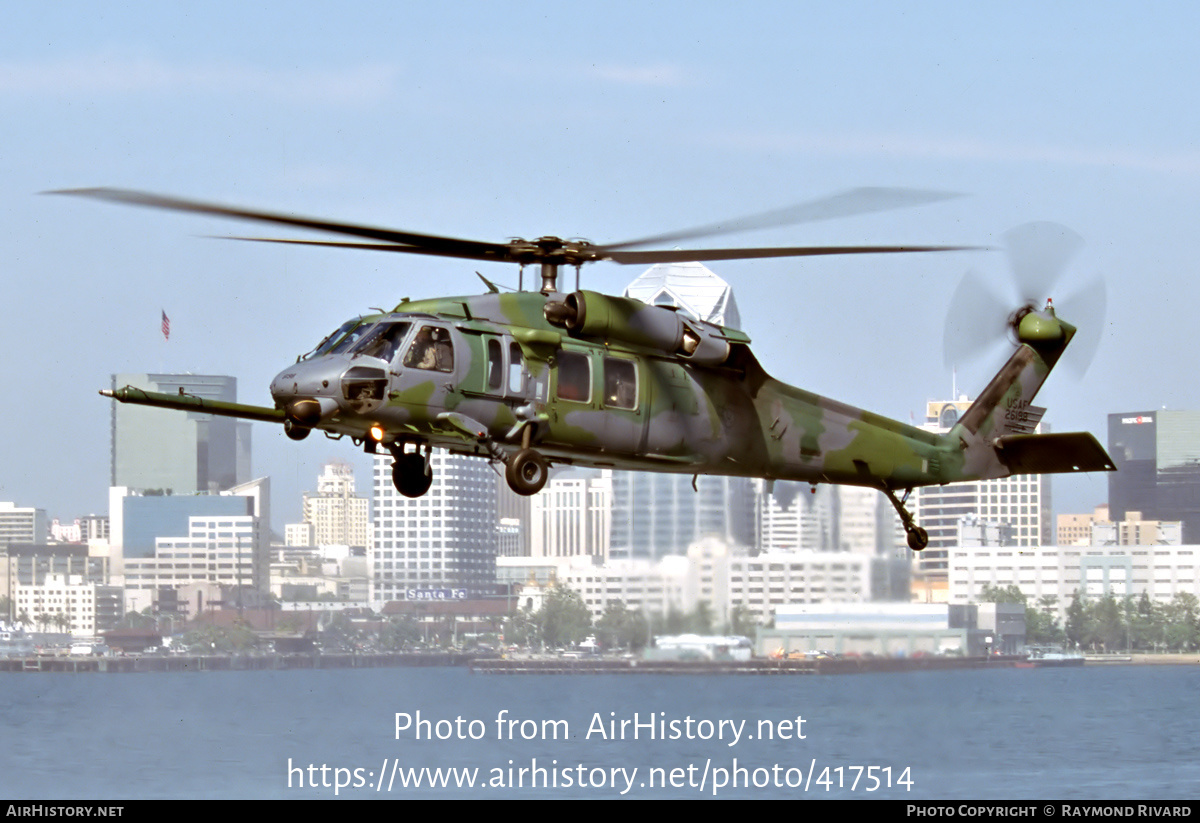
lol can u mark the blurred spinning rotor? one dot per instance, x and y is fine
(983, 312)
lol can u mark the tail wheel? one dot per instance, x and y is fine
(411, 475)
(918, 539)
(527, 472)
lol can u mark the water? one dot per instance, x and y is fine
(1121, 733)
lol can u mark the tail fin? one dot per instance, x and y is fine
(995, 434)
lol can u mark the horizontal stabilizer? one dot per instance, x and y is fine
(1053, 453)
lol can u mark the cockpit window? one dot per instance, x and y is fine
(431, 349)
(326, 345)
(351, 338)
(383, 341)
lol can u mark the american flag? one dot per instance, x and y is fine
(166, 326)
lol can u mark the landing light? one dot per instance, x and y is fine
(377, 433)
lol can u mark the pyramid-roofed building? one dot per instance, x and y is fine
(692, 287)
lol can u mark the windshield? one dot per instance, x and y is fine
(381, 341)
(327, 344)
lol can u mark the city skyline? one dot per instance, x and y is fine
(1030, 112)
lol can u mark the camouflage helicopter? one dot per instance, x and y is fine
(532, 378)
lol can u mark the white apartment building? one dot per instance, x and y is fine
(60, 595)
(1161, 571)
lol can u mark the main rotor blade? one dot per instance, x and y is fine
(844, 204)
(447, 245)
(695, 255)
(488, 256)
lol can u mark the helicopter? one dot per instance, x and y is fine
(527, 379)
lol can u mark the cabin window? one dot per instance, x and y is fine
(574, 377)
(431, 350)
(620, 383)
(495, 365)
(516, 370)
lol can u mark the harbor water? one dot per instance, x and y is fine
(1121, 732)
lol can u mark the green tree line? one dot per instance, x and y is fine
(1108, 623)
(564, 619)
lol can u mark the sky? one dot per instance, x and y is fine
(606, 121)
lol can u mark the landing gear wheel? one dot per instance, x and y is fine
(918, 538)
(527, 472)
(410, 474)
(295, 431)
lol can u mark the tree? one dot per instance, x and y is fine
(1006, 594)
(1076, 619)
(612, 629)
(399, 633)
(1105, 626)
(1182, 629)
(563, 618)
(1041, 624)
(520, 629)
(743, 622)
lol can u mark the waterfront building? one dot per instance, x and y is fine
(712, 574)
(767, 582)
(894, 629)
(1057, 572)
(58, 603)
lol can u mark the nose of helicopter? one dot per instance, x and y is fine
(307, 391)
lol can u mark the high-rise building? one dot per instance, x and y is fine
(337, 515)
(795, 517)
(662, 514)
(655, 515)
(1157, 454)
(171, 541)
(183, 452)
(571, 516)
(1020, 503)
(440, 545)
(22, 525)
